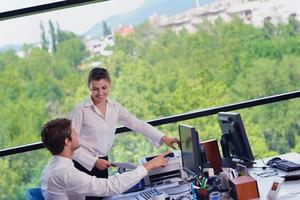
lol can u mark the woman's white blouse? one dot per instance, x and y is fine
(97, 132)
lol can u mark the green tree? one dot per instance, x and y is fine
(44, 40)
(53, 37)
(293, 25)
(73, 50)
(269, 28)
(106, 30)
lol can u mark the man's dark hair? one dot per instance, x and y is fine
(97, 74)
(54, 133)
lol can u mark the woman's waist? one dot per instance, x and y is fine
(96, 150)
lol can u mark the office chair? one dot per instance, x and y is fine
(34, 194)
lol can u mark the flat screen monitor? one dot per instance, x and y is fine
(190, 149)
(234, 139)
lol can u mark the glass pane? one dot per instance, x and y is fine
(66, 44)
(269, 131)
(21, 172)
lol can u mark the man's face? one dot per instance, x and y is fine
(74, 143)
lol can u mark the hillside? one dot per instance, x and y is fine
(141, 14)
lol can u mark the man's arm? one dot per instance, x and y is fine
(79, 183)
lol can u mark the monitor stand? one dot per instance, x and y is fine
(228, 163)
(232, 161)
(229, 160)
(243, 161)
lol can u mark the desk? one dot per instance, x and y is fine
(173, 192)
(289, 190)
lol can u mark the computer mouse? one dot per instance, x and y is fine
(270, 162)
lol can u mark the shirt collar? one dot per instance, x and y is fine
(65, 160)
(89, 102)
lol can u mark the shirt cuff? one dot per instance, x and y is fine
(85, 159)
(94, 165)
(157, 140)
(141, 171)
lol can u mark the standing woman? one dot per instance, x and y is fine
(96, 120)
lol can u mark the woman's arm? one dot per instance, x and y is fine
(81, 155)
(154, 135)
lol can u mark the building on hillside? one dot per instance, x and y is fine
(124, 30)
(99, 46)
(250, 12)
(24, 53)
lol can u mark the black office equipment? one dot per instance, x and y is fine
(291, 177)
(234, 141)
(170, 155)
(192, 153)
(283, 164)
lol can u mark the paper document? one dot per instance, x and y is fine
(126, 165)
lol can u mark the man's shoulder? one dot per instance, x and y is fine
(58, 166)
(59, 173)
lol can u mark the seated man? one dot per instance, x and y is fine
(61, 180)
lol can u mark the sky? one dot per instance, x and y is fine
(77, 19)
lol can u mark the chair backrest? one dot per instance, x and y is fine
(34, 194)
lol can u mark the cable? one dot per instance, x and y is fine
(263, 167)
(261, 158)
(267, 173)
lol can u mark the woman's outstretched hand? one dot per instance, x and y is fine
(170, 141)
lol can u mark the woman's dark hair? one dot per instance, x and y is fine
(97, 74)
(54, 133)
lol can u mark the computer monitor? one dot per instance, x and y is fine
(234, 141)
(190, 149)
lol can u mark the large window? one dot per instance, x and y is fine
(165, 57)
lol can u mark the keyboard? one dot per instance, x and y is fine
(147, 194)
(283, 164)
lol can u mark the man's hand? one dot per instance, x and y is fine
(102, 164)
(170, 141)
(158, 161)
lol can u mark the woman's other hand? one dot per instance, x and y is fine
(102, 164)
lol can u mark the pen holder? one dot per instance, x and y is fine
(202, 194)
(202, 187)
